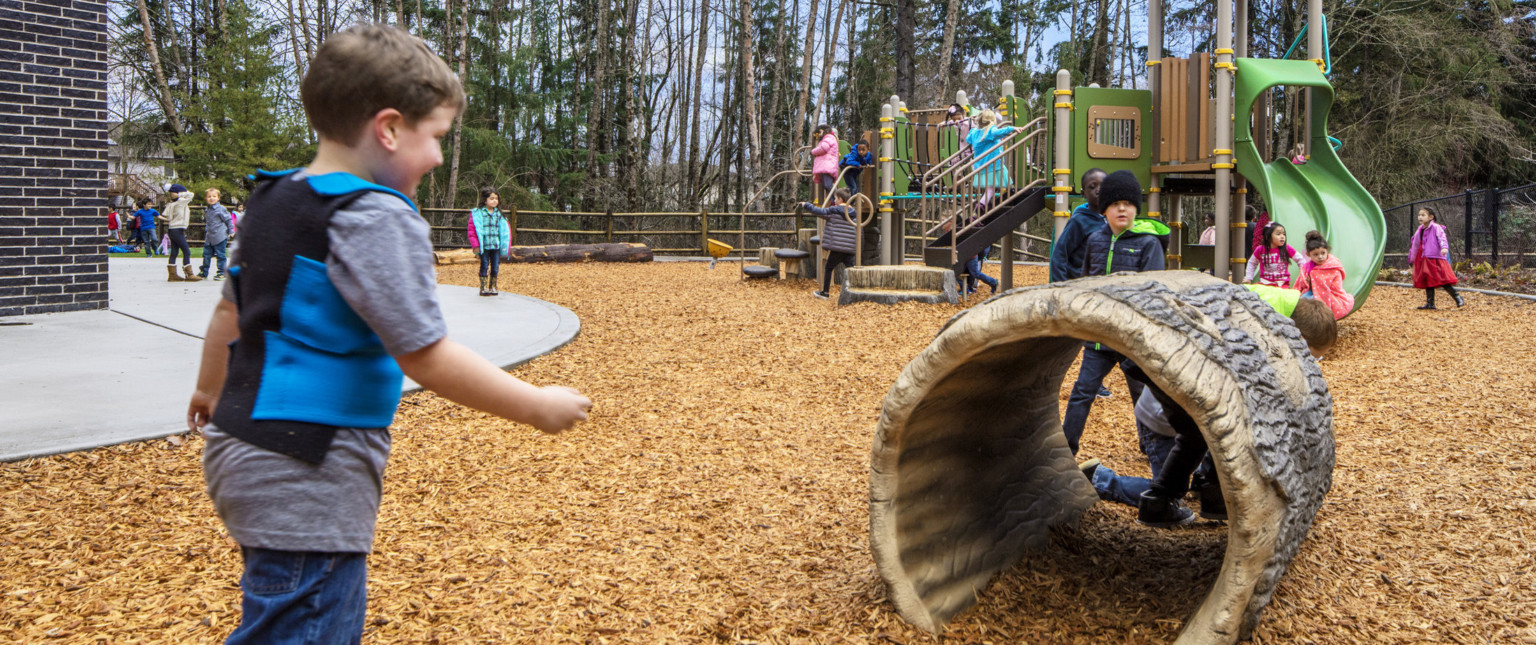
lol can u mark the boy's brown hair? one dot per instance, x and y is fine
(1315, 322)
(368, 68)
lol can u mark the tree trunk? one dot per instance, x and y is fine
(633, 163)
(799, 124)
(597, 119)
(946, 54)
(458, 123)
(695, 170)
(749, 96)
(167, 105)
(832, 31)
(906, 47)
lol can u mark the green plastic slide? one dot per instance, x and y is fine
(1320, 194)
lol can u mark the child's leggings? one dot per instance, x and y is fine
(834, 258)
(179, 243)
(826, 181)
(490, 259)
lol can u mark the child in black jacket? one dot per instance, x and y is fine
(1125, 244)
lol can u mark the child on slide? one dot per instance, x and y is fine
(1271, 262)
(824, 158)
(1322, 277)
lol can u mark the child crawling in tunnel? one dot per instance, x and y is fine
(1171, 440)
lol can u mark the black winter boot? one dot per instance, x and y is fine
(1162, 512)
(1455, 296)
(1213, 504)
(1429, 299)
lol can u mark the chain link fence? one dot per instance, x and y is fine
(1497, 226)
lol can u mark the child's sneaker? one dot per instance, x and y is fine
(218, 277)
(821, 294)
(1104, 393)
(1162, 512)
(1089, 467)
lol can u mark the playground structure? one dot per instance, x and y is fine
(1203, 128)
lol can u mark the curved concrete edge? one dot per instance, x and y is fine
(1486, 292)
(73, 383)
(565, 330)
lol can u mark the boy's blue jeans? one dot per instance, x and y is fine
(1090, 377)
(1127, 489)
(301, 597)
(218, 252)
(973, 273)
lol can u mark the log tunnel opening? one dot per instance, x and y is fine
(971, 472)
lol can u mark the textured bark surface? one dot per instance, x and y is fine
(970, 469)
(893, 284)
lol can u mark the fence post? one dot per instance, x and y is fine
(610, 225)
(1467, 232)
(512, 226)
(1493, 222)
(704, 230)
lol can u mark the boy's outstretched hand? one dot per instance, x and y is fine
(562, 408)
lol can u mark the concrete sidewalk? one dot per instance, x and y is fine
(81, 380)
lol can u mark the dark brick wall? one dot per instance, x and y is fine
(53, 156)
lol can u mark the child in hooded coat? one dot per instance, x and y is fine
(1322, 277)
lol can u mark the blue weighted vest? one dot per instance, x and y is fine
(305, 364)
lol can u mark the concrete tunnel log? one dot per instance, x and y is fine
(970, 470)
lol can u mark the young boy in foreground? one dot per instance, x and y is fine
(331, 297)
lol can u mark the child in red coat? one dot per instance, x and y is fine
(1322, 277)
(1428, 252)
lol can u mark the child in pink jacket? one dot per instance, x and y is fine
(824, 158)
(1322, 277)
(1427, 251)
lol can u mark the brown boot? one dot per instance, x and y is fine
(190, 276)
(171, 269)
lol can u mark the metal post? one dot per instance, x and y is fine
(1010, 241)
(1063, 166)
(1177, 240)
(1493, 223)
(888, 220)
(1467, 230)
(1223, 157)
(1316, 53)
(1154, 58)
(1242, 29)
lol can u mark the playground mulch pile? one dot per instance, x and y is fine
(719, 495)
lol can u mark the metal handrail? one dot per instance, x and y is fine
(1023, 134)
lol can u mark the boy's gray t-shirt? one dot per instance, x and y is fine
(381, 262)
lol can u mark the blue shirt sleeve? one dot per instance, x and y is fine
(1062, 266)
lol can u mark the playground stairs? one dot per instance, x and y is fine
(1015, 211)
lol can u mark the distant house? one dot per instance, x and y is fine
(133, 172)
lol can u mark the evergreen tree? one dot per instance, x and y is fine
(239, 125)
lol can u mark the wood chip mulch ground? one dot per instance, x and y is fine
(719, 494)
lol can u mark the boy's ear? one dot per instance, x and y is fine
(385, 128)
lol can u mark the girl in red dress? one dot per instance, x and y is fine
(1427, 252)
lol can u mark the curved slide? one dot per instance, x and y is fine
(1320, 194)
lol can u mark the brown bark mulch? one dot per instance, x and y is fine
(719, 494)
